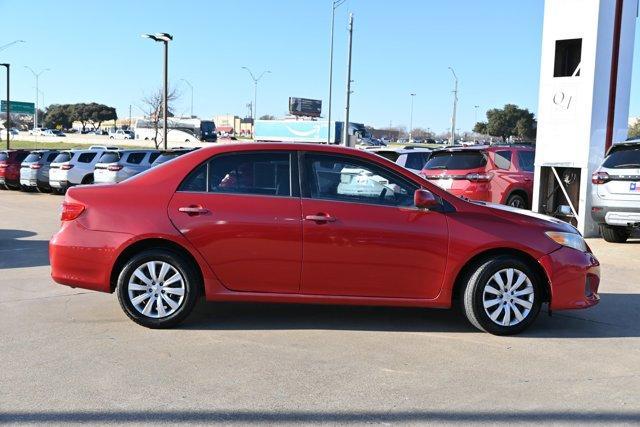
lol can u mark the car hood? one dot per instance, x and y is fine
(527, 216)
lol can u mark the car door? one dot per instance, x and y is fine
(525, 163)
(362, 235)
(242, 212)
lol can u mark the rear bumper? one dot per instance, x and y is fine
(59, 184)
(574, 277)
(623, 216)
(83, 258)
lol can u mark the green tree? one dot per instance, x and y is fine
(267, 117)
(508, 121)
(93, 114)
(634, 130)
(59, 116)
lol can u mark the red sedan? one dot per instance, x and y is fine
(301, 223)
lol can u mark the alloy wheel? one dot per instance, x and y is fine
(508, 297)
(156, 289)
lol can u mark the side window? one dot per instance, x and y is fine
(51, 156)
(526, 160)
(415, 161)
(153, 157)
(502, 159)
(86, 157)
(196, 180)
(135, 158)
(251, 173)
(351, 180)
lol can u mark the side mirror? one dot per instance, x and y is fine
(424, 199)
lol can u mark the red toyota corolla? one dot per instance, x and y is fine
(301, 223)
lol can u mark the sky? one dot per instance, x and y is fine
(95, 53)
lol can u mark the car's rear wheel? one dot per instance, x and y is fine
(157, 288)
(88, 179)
(517, 201)
(502, 295)
(615, 234)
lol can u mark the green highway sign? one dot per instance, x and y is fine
(18, 107)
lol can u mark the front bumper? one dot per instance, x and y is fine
(574, 278)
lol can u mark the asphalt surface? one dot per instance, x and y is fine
(69, 355)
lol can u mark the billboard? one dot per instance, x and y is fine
(18, 107)
(305, 107)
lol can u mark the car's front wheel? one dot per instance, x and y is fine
(502, 295)
(157, 288)
(614, 234)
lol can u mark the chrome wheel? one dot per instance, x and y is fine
(156, 289)
(508, 297)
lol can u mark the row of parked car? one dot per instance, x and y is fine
(56, 170)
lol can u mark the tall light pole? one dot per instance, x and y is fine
(187, 82)
(37, 76)
(334, 5)
(475, 114)
(3, 47)
(455, 105)
(8, 127)
(411, 118)
(164, 38)
(255, 92)
(345, 130)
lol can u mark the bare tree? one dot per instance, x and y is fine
(153, 109)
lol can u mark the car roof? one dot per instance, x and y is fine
(141, 150)
(403, 150)
(494, 147)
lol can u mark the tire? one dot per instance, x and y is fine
(528, 292)
(614, 234)
(111, 137)
(132, 289)
(517, 201)
(88, 179)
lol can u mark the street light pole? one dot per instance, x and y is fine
(37, 76)
(345, 130)
(255, 93)
(411, 118)
(476, 114)
(3, 47)
(164, 38)
(187, 82)
(8, 127)
(335, 5)
(455, 105)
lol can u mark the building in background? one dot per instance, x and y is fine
(233, 125)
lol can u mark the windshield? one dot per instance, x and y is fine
(33, 157)
(110, 157)
(207, 127)
(623, 158)
(456, 160)
(62, 157)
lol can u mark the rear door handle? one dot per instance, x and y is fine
(320, 218)
(193, 210)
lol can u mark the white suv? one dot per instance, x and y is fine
(73, 167)
(615, 194)
(410, 158)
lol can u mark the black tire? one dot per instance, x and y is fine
(614, 234)
(517, 201)
(88, 179)
(179, 263)
(476, 282)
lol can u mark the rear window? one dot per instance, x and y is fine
(389, 155)
(623, 159)
(456, 160)
(87, 157)
(4, 156)
(33, 157)
(110, 157)
(62, 157)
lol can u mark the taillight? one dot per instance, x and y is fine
(600, 178)
(478, 176)
(66, 166)
(114, 168)
(3, 165)
(35, 166)
(71, 211)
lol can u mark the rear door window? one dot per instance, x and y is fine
(153, 157)
(110, 157)
(51, 156)
(502, 159)
(456, 160)
(86, 157)
(526, 160)
(135, 158)
(626, 158)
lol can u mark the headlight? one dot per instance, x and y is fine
(570, 240)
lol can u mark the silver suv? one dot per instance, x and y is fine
(410, 158)
(73, 167)
(615, 194)
(34, 170)
(117, 165)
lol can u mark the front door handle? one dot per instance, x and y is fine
(193, 210)
(320, 218)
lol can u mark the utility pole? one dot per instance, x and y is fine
(345, 130)
(411, 118)
(164, 38)
(476, 114)
(130, 119)
(455, 105)
(37, 76)
(8, 127)
(255, 93)
(334, 6)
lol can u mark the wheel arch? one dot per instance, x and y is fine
(154, 243)
(476, 260)
(520, 192)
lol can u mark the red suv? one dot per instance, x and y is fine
(497, 174)
(10, 161)
(321, 224)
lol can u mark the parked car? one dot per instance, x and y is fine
(411, 158)
(53, 133)
(122, 134)
(103, 147)
(73, 167)
(117, 165)
(34, 170)
(615, 193)
(12, 132)
(231, 222)
(167, 155)
(10, 161)
(37, 131)
(498, 173)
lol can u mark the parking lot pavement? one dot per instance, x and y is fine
(72, 355)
